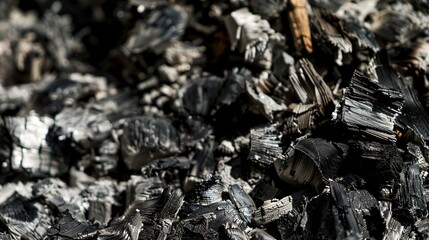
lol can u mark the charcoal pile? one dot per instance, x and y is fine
(235, 119)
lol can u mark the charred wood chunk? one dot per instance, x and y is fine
(302, 119)
(125, 227)
(310, 161)
(199, 97)
(361, 36)
(413, 115)
(145, 139)
(204, 165)
(378, 163)
(164, 26)
(80, 128)
(244, 203)
(60, 197)
(264, 191)
(412, 201)
(68, 227)
(266, 146)
(233, 87)
(370, 109)
(24, 218)
(316, 219)
(288, 224)
(30, 149)
(101, 197)
(219, 213)
(273, 209)
(311, 88)
(346, 223)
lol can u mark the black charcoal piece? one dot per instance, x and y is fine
(24, 218)
(200, 96)
(370, 109)
(413, 115)
(288, 224)
(266, 146)
(164, 26)
(311, 88)
(346, 222)
(204, 164)
(378, 163)
(68, 227)
(139, 188)
(264, 190)
(412, 200)
(31, 150)
(361, 36)
(259, 234)
(267, 9)
(252, 36)
(310, 161)
(207, 192)
(233, 87)
(262, 103)
(219, 213)
(101, 198)
(145, 139)
(61, 197)
(273, 209)
(242, 201)
(302, 119)
(125, 227)
(330, 35)
(233, 231)
(81, 127)
(64, 92)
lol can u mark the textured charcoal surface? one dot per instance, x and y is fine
(234, 119)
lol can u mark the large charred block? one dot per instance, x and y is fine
(370, 109)
(311, 161)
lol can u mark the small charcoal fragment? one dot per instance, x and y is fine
(145, 139)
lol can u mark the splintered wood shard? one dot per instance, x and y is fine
(311, 88)
(300, 25)
(370, 109)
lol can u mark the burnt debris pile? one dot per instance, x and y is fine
(235, 119)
